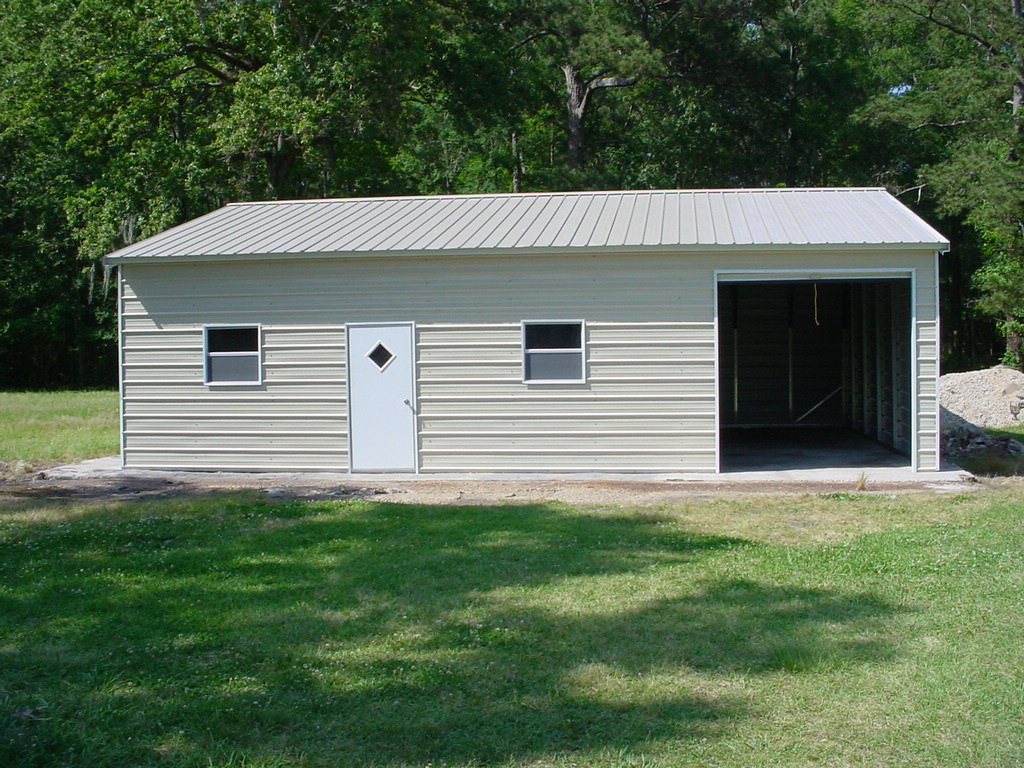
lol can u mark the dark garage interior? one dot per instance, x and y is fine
(815, 373)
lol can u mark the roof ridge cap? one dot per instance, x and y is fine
(571, 193)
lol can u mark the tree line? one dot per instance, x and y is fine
(119, 119)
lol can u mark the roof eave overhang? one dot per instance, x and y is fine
(940, 246)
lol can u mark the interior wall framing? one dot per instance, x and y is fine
(878, 371)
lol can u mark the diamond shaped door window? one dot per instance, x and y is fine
(380, 355)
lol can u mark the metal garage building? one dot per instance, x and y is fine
(597, 331)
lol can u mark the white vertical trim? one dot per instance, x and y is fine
(415, 400)
(348, 394)
(716, 326)
(915, 384)
(938, 370)
(120, 358)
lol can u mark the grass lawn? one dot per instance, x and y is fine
(1016, 432)
(840, 630)
(45, 428)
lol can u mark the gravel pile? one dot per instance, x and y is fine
(991, 398)
(974, 402)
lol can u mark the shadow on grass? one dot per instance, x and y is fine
(243, 631)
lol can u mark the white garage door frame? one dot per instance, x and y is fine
(794, 275)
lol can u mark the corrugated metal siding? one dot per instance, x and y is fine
(644, 407)
(585, 220)
(927, 394)
(649, 402)
(296, 420)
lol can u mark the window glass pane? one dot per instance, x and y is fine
(554, 335)
(381, 356)
(234, 368)
(554, 366)
(233, 339)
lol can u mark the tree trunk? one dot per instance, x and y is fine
(1017, 100)
(1014, 344)
(576, 92)
(517, 163)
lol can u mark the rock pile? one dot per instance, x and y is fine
(971, 404)
(992, 398)
(977, 451)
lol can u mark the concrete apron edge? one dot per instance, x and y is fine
(111, 467)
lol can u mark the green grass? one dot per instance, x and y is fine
(1016, 432)
(854, 630)
(44, 428)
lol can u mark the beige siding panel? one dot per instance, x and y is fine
(190, 361)
(296, 419)
(927, 368)
(592, 406)
(255, 461)
(326, 374)
(563, 461)
(237, 456)
(169, 340)
(674, 287)
(496, 353)
(275, 423)
(168, 373)
(646, 367)
(238, 441)
(193, 411)
(157, 357)
(820, 262)
(678, 350)
(928, 421)
(266, 393)
(456, 425)
(599, 370)
(598, 441)
(274, 353)
(645, 405)
(430, 290)
(624, 388)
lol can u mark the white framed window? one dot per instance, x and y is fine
(232, 354)
(553, 351)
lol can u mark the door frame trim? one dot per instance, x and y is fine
(414, 403)
(725, 276)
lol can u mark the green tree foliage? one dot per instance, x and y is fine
(952, 77)
(118, 120)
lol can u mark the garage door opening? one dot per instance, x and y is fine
(815, 373)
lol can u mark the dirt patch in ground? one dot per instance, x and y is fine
(120, 486)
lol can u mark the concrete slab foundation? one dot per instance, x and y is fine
(898, 473)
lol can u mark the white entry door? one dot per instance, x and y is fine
(381, 397)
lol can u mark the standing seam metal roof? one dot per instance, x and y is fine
(622, 221)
